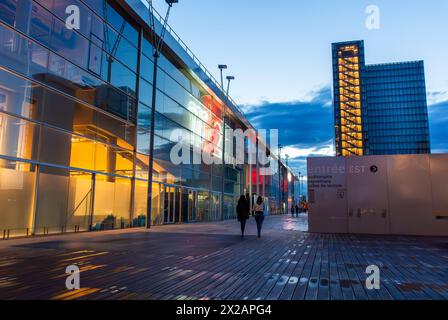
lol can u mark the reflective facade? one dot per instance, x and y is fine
(379, 109)
(75, 114)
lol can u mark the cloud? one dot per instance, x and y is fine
(300, 123)
(294, 152)
(437, 97)
(306, 126)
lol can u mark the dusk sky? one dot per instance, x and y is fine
(280, 53)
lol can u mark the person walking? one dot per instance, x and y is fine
(242, 210)
(293, 210)
(259, 214)
(297, 210)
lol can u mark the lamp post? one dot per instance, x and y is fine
(224, 117)
(221, 68)
(280, 195)
(157, 44)
(229, 79)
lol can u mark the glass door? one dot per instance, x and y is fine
(192, 206)
(216, 207)
(185, 206)
(169, 205)
(177, 205)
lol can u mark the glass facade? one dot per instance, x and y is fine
(379, 109)
(396, 117)
(75, 123)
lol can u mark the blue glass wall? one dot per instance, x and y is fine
(396, 115)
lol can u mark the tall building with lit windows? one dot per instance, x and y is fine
(75, 124)
(378, 109)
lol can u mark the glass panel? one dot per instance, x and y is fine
(178, 203)
(55, 146)
(18, 97)
(157, 202)
(70, 44)
(203, 206)
(16, 197)
(145, 92)
(146, 68)
(113, 160)
(192, 206)
(82, 153)
(64, 201)
(140, 203)
(52, 197)
(30, 100)
(18, 138)
(141, 166)
(22, 55)
(143, 129)
(112, 203)
(79, 201)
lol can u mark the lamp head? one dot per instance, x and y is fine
(171, 2)
(230, 78)
(222, 66)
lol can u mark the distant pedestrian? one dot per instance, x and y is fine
(305, 206)
(242, 210)
(297, 210)
(259, 214)
(293, 210)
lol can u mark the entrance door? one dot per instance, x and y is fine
(185, 206)
(169, 205)
(216, 207)
(192, 206)
(177, 205)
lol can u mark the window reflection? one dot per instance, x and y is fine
(16, 196)
(64, 201)
(112, 203)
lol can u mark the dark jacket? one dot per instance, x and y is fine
(242, 210)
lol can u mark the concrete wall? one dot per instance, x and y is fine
(402, 195)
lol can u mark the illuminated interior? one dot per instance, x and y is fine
(351, 136)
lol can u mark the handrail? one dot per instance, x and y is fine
(194, 57)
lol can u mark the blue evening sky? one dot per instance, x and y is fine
(280, 53)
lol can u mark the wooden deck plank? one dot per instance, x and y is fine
(210, 261)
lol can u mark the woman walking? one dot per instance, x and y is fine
(242, 210)
(259, 214)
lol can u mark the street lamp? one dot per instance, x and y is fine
(280, 194)
(221, 68)
(157, 44)
(229, 78)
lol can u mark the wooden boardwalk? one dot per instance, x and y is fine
(211, 261)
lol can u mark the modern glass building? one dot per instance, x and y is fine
(379, 109)
(75, 115)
